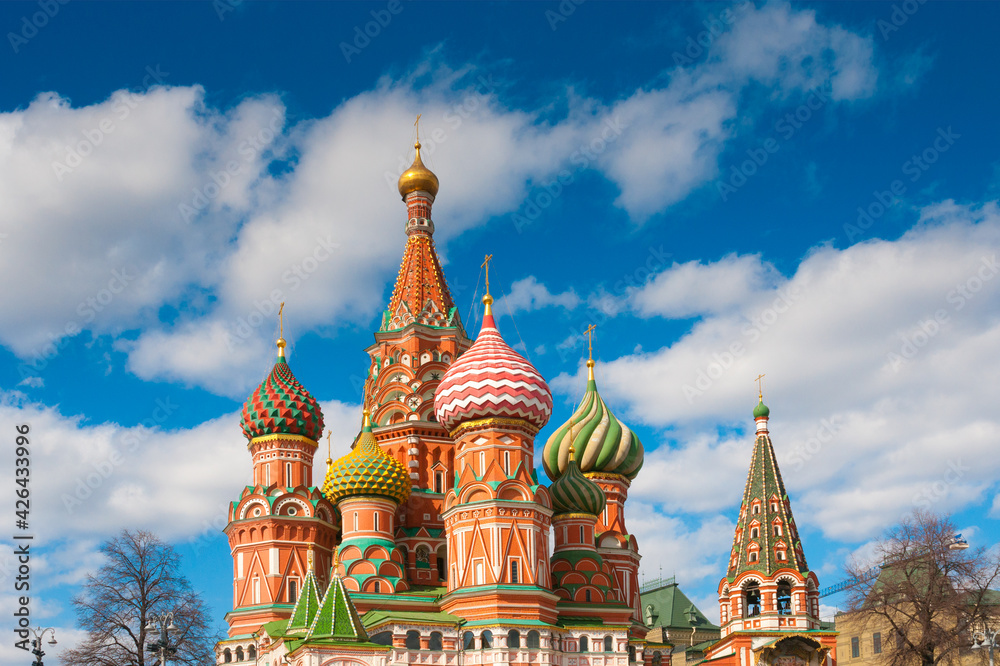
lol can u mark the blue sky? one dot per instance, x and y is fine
(806, 190)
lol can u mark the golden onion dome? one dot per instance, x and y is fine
(418, 177)
(367, 470)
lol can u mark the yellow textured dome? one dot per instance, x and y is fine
(367, 470)
(418, 177)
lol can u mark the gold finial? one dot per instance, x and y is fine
(760, 389)
(590, 352)
(367, 422)
(309, 559)
(336, 561)
(329, 456)
(572, 453)
(418, 177)
(416, 124)
(487, 299)
(281, 330)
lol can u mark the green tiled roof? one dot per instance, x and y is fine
(670, 608)
(337, 617)
(376, 617)
(305, 608)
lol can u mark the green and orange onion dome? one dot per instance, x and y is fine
(572, 492)
(602, 442)
(367, 470)
(418, 178)
(281, 405)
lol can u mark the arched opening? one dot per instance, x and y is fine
(381, 638)
(442, 563)
(608, 644)
(252, 652)
(751, 596)
(468, 641)
(657, 658)
(584, 644)
(486, 639)
(239, 653)
(412, 640)
(436, 642)
(227, 656)
(423, 557)
(534, 640)
(754, 533)
(513, 639)
(631, 653)
(587, 596)
(784, 598)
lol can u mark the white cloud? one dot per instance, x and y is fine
(879, 361)
(528, 294)
(695, 288)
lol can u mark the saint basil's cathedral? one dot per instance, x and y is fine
(429, 542)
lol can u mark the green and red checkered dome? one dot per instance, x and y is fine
(282, 406)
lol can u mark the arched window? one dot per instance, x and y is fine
(382, 638)
(227, 656)
(584, 644)
(657, 658)
(239, 653)
(436, 641)
(756, 508)
(780, 555)
(609, 644)
(468, 641)
(534, 640)
(587, 596)
(784, 598)
(439, 482)
(777, 530)
(751, 595)
(252, 652)
(413, 640)
(513, 639)
(486, 639)
(378, 587)
(631, 653)
(752, 557)
(442, 563)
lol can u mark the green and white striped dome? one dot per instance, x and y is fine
(572, 492)
(602, 442)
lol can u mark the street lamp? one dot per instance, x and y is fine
(162, 647)
(987, 638)
(37, 643)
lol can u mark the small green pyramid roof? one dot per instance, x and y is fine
(337, 617)
(306, 607)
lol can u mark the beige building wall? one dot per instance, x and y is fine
(865, 643)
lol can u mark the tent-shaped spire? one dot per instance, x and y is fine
(337, 618)
(307, 605)
(766, 538)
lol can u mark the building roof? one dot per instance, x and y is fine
(765, 494)
(670, 608)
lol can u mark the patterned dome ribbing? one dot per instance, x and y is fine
(281, 405)
(572, 492)
(491, 380)
(602, 442)
(367, 470)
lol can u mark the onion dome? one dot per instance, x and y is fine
(602, 442)
(367, 470)
(492, 380)
(281, 405)
(761, 410)
(418, 177)
(574, 493)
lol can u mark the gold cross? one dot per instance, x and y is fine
(760, 390)
(328, 433)
(281, 321)
(486, 265)
(590, 342)
(416, 124)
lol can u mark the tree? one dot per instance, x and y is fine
(139, 578)
(929, 594)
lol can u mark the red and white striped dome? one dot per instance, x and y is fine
(490, 380)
